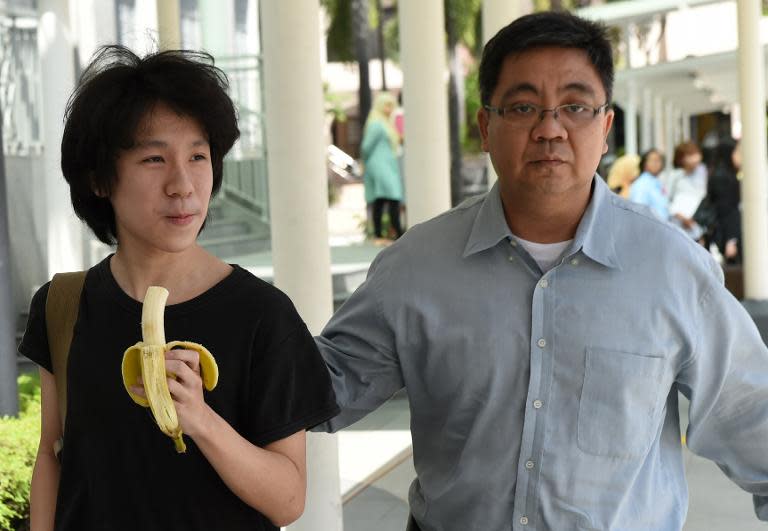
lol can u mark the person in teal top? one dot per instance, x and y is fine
(383, 184)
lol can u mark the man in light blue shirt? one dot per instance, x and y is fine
(543, 391)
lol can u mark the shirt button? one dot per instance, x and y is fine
(537, 404)
(575, 262)
(529, 465)
(544, 283)
(511, 258)
(524, 520)
(542, 342)
(513, 243)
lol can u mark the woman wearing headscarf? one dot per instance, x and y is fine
(383, 185)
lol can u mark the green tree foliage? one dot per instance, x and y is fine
(19, 437)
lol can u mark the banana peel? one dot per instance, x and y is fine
(146, 360)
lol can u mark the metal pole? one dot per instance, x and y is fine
(9, 404)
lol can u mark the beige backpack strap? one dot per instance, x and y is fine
(61, 309)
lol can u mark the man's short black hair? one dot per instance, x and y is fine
(547, 29)
(114, 93)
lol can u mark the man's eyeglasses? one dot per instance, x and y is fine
(570, 115)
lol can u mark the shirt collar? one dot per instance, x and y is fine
(594, 235)
(490, 226)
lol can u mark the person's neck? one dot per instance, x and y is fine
(185, 274)
(548, 219)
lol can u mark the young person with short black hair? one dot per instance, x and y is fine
(142, 152)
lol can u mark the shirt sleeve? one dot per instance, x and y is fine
(34, 344)
(726, 382)
(358, 346)
(291, 389)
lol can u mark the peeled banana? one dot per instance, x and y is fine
(146, 359)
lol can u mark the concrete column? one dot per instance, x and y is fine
(753, 148)
(425, 78)
(145, 16)
(669, 129)
(298, 195)
(495, 15)
(677, 125)
(57, 79)
(686, 124)
(94, 24)
(646, 129)
(217, 18)
(658, 129)
(630, 120)
(169, 24)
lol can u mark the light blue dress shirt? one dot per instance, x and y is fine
(647, 190)
(549, 402)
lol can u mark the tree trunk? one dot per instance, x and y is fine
(454, 120)
(360, 28)
(380, 37)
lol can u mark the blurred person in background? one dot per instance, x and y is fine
(647, 189)
(686, 188)
(382, 181)
(724, 193)
(623, 172)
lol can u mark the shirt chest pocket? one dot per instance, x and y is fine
(619, 403)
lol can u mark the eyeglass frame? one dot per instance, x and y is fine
(499, 111)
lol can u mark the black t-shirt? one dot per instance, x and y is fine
(118, 470)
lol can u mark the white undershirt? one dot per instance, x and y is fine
(545, 254)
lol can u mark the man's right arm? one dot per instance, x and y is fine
(45, 475)
(359, 349)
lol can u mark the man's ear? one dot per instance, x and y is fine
(609, 116)
(482, 123)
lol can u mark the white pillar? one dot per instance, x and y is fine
(658, 129)
(94, 22)
(145, 17)
(753, 148)
(630, 119)
(669, 125)
(298, 195)
(495, 15)
(169, 24)
(57, 79)
(646, 130)
(218, 23)
(686, 126)
(677, 125)
(425, 78)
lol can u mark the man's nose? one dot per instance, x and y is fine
(548, 127)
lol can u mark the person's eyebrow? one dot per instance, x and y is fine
(514, 90)
(580, 87)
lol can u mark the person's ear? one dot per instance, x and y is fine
(609, 115)
(97, 188)
(482, 123)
